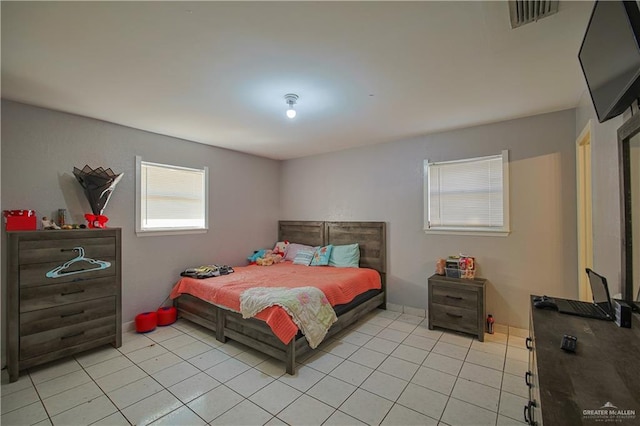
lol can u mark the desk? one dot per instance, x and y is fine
(604, 369)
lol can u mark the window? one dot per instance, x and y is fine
(170, 199)
(468, 196)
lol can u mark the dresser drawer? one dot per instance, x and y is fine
(47, 296)
(35, 274)
(451, 296)
(454, 318)
(61, 250)
(59, 317)
(59, 338)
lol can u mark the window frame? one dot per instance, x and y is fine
(456, 230)
(140, 231)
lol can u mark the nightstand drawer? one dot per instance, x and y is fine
(48, 296)
(35, 322)
(453, 318)
(459, 297)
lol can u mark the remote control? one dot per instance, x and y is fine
(569, 343)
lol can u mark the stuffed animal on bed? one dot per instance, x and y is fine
(256, 255)
(281, 248)
(269, 258)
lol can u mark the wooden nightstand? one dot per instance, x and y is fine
(457, 304)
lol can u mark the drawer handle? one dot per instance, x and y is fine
(72, 314)
(454, 315)
(527, 376)
(527, 343)
(72, 335)
(66, 293)
(527, 413)
(453, 297)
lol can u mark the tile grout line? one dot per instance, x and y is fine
(504, 364)
(454, 383)
(204, 372)
(147, 376)
(387, 356)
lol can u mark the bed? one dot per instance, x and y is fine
(255, 333)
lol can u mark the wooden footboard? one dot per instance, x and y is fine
(256, 334)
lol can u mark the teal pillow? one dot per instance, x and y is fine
(303, 257)
(347, 256)
(321, 256)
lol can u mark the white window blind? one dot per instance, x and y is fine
(467, 195)
(171, 198)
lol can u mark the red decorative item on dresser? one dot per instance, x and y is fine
(20, 220)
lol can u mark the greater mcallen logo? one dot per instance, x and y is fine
(609, 412)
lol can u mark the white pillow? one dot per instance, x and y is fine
(293, 249)
(304, 257)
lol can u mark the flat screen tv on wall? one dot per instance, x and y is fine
(610, 57)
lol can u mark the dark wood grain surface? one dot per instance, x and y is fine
(457, 304)
(604, 368)
(53, 317)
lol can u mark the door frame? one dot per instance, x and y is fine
(584, 210)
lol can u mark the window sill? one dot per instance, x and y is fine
(164, 232)
(474, 232)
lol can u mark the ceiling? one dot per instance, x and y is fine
(217, 72)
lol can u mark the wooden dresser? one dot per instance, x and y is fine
(457, 304)
(63, 294)
(598, 384)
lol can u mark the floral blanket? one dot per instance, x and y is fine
(308, 307)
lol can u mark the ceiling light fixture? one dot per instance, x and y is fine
(291, 101)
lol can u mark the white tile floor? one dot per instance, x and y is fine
(386, 369)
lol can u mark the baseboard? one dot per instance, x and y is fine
(129, 326)
(498, 328)
(407, 310)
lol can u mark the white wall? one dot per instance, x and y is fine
(605, 192)
(40, 147)
(384, 183)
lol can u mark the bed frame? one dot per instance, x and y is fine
(371, 236)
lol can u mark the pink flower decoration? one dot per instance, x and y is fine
(303, 298)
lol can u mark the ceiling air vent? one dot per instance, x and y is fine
(525, 11)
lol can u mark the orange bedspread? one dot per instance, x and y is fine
(340, 285)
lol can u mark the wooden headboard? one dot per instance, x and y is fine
(302, 232)
(370, 236)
